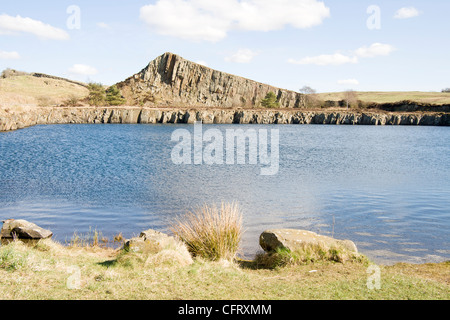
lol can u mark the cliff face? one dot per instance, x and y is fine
(134, 115)
(172, 81)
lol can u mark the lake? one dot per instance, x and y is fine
(387, 188)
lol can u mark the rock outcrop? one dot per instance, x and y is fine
(172, 81)
(292, 239)
(134, 115)
(22, 229)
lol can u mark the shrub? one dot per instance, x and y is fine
(113, 96)
(313, 101)
(270, 101)
(72, 101)
(44, 101)
(97, 94)
(7, 73)
(211, 232)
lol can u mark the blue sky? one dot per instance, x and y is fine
(328, 45)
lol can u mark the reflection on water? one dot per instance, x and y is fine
(385, 188)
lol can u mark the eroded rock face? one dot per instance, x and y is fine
(170, 80)
(23, 229)
(292, 239)
(133, 115)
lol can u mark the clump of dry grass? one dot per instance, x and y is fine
(211, 232)
(92, 238)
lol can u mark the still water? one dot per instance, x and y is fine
(385, 188)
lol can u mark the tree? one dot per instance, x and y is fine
(446, 90)
(307, 90)
(350, 98)
(270, 101)
(114, 97)
(311, 97)
(97, 95)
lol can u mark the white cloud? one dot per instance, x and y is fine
(326, 59)
(406, 13)
(242, 56)
(12, 25)
(205, 20)
(9, 55)
(376, 49)
(102, 25)
(348, 82)
(82, 69)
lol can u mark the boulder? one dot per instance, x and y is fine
(159, 248)
(292, 239)
(150, 241)
(23, 229)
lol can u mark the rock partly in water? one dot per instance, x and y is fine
(22, 229)
(292, 239)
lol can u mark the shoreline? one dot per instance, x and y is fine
(98, 241)
(11, 119)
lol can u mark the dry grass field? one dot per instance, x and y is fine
(30, 91)
(390, 97)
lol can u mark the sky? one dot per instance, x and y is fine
(330, 46)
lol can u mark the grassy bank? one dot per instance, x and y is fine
(48, 270)
(437, 98)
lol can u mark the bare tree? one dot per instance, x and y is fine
(350, 98)
(311, 99)
(307, 90)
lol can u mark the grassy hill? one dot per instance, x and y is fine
(437, 98)
(26, 90)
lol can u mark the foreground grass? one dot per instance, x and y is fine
(48, 270)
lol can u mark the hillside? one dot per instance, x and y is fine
(37, 90)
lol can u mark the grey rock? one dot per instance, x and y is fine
(292, 239)
(23, 229)
(159, 248)
(150, 241)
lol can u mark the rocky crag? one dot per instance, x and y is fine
(172, 81)
(174, 90)
(134, 115)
